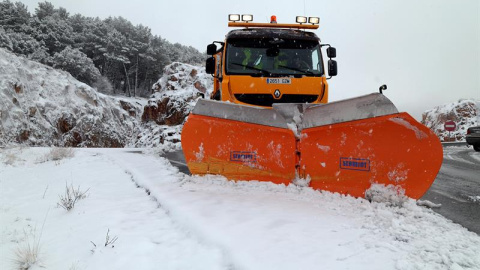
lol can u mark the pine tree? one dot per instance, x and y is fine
(78, 64)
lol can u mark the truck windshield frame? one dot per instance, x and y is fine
(273, 57)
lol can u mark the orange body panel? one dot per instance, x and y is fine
(235, 84)
(240, 151)
(393, 149)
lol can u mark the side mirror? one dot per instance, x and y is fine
(211, 49)
(382, 88)
(331, 52)
(210, 65)
(332, 68)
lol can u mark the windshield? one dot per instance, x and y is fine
(273, 57)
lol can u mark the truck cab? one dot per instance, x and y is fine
(268, 63)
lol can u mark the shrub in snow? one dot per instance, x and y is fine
(71, 197)
(9, 158)
(109, 242)
(57, 153)
(27, 254)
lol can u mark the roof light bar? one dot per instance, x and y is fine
(301, 19)
(247, 17)
(314, 20)
(234, 17)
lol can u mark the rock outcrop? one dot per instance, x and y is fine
(465, 113)
(176, 93)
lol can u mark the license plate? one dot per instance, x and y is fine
(279, 81)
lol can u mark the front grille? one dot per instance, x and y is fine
(267, 99)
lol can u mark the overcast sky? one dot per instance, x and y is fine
(426, 51)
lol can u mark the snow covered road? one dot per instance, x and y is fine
(167, 220)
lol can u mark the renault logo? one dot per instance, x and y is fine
(277, 94)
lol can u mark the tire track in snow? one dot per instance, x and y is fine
(187, 230)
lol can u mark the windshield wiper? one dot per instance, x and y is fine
(299, 70)
(264, 72)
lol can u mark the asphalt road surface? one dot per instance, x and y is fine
(456, 188)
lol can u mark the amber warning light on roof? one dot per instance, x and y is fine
(302, 22)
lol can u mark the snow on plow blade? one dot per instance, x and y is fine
(343, 146)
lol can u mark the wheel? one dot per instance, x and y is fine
(476, 148)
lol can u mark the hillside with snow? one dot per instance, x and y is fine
(465, 113)
(43, 106)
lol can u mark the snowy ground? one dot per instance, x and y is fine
(166, 220)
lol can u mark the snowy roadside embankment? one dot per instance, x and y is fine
(209, 223)
(43, 106)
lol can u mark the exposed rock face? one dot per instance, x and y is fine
(465, 113)
(167, 110)
(179, 76)
(43, 106)
(176, 94)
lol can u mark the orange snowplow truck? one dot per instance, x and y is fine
(268, 119)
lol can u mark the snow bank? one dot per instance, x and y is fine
(164, 219)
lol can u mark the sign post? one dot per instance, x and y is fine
(450, 126)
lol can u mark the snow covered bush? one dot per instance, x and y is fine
(78, 64)
(27, 254)
(9, 158)
(71, 197)
(57, 153)
(10, 155)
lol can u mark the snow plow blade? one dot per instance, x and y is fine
(343, 146)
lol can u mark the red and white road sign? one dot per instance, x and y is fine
(450, 125)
